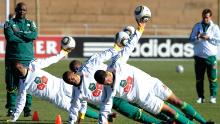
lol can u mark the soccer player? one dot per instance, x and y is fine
(130, 83)
(85, 86)
(205, 37)
(42, 84)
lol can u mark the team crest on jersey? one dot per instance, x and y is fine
(127, 84)
(37, 80)
(123, 83)
(41, 82)
(96, 89)
(92, 86)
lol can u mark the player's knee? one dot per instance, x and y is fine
(168, 111)
(175, 100)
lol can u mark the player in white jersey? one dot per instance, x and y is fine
(86, 88)
(42, 84)
(130, 83)
(205, 37)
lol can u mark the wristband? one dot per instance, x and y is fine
(116, 47)
(64, 52)
(140, 29)
(82, 116)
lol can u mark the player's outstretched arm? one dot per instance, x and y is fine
(105, 105)
(43, 63)
(21, 99)
(82, 111)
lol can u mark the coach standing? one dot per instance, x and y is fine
(205, 36)
(19, 34)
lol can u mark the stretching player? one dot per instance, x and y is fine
(125, 81)
(42, 84)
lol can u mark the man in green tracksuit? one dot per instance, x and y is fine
(206, 38)
(19, 34)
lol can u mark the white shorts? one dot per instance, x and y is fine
(153, 101)
(151, 104)
(161, 90)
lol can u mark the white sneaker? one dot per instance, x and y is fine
(200, 100)
(212, 100)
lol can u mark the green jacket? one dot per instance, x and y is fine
(19, 34)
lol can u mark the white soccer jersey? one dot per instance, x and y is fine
(205, 48)
(90, 90)
(44, 85)
(136, 86)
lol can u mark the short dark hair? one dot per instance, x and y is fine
(206, 11)
(74, 65)
(100, 76)
(19, 5)
(65, 76)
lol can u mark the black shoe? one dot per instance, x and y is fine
(10, 112)
(27, 114)
(210, 122)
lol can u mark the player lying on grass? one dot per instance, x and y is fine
(130, 83)
(85, 86)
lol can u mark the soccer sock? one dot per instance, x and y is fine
(175, 108)
(133, 112)
(91, 114)
(189, 110)
(182, 119)
(163, 116)
(143, 118)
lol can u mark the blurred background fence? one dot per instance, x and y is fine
(106, 17)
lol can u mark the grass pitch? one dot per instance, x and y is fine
(183, 85)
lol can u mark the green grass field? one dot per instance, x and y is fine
(183, 85)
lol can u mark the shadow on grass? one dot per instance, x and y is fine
(29, 122)
(41, 122)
